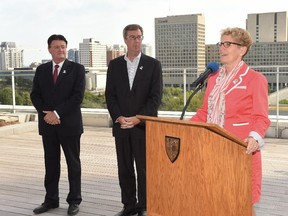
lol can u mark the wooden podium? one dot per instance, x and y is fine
(195, 169)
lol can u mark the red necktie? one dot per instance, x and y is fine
(55, 73)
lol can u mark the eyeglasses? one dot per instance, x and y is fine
(134, 37)
(227, 44)
(58, 47)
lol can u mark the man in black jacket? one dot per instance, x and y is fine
(57, 92)
(134, 87)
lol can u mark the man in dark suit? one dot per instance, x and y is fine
(57, 92)
(134, 87)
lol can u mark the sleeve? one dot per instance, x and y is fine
(110, 93)
(35, 94)
(260, 113)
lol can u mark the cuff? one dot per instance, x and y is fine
(56, 114)
(258, 138)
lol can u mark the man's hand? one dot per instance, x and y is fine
(51, 118)
(128, 122)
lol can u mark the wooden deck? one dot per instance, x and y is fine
(22, 172)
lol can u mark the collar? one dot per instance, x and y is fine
(137, 57)
(60, 64)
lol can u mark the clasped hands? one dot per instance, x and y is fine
(51, 118)
(128, 122)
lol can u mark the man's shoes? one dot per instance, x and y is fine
(142, 213)
(44, 207)
(73, 209)
(127, 212)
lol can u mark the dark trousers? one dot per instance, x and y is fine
(52, 155)
(128, 150)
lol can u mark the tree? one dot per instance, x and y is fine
(6, 96)
(91, 100)
(173, 100)
(21, 97)
(25, 99)
(284, 101)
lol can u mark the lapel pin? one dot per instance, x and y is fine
(141, 67)
(64, 71)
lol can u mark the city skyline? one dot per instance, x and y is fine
(30, 23)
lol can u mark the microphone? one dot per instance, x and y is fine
(211, 68)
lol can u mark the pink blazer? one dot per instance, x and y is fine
(246, 103)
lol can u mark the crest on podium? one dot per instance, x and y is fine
(172, 146)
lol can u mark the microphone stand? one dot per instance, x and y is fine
(189, 99)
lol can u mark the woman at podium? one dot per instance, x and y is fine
(236, 99)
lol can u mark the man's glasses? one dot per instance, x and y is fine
(134, 37)
(227, 44)
(59, 47)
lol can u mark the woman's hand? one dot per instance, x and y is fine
(252, 146)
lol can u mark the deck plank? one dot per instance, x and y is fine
(22, 173)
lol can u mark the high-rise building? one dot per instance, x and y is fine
(180, 44)
(268, 57)
(115, 51)
(92, 53)
(73, 55)
(10, 56)
(147, 49)
(268, 27)
(269, 51)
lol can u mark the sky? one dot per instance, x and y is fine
(29, 23)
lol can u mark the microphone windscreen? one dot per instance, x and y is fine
(213, 66)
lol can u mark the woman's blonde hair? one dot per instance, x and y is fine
(240, 35)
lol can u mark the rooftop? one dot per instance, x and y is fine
(22, 173)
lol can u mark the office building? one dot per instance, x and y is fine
(10, 56)
(147, 50)
(115, 51)
(269, 52)
(268, 27)
(92, 54)
(73, 55)
(270, 58)
(179, 45)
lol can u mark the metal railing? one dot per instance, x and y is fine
(180, 78)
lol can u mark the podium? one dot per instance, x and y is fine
(195, 169)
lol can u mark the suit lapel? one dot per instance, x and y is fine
(123, 74)
(48, 75)
(139, 72)
(238, 80)
(66, 67)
